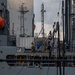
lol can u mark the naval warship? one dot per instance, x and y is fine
(16, 60)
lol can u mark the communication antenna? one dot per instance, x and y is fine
(23, 10)
(42, 18)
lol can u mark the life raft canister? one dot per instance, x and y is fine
(2, 22)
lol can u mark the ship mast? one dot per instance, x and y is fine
(42, 18)
(23, 11)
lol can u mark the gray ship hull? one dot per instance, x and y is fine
(6, 69)
(34, 71)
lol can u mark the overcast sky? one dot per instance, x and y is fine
(51, 7)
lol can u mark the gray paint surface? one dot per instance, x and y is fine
(3, 40)
(3, 1)
(5, 69)
(33, 71)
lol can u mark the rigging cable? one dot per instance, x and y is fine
(59, 10)
(58, 15)
(20, 71)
